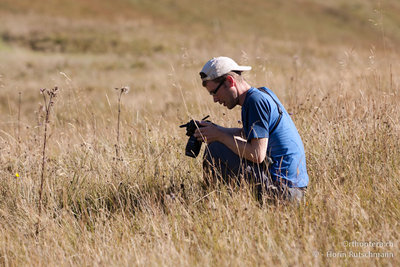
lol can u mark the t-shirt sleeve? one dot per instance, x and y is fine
(257, 124)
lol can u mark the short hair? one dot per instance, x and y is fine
(236, 74)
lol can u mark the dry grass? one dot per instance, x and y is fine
(151, 207)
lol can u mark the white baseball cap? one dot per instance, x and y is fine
(219, 66)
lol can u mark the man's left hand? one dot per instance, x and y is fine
(208, 133)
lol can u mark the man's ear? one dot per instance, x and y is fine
(231, 81)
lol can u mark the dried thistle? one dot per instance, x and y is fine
(48, 100)
(122, 90)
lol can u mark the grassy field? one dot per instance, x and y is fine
(334, 64)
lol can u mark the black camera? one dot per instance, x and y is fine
(193, 146)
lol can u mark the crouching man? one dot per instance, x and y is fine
(267, 151)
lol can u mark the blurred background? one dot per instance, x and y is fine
(158, 47)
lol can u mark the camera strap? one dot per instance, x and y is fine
(268, 160)
(279, 110)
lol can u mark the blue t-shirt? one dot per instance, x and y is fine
(259, 116)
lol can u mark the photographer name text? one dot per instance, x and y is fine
(358, 254)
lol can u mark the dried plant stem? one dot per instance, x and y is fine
(118, 123)
(48, 104)
(117, 145)
(19, 123)
(391, 78)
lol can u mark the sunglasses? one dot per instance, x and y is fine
(214, 92)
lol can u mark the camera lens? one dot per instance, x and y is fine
(192, 147)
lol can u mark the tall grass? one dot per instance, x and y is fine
(152, 208)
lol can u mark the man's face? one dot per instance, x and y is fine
(222, 93)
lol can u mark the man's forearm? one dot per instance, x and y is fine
(232, 131)
(234, 139)
(253, 151)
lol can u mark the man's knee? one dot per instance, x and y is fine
(216, 150)
(220, 161)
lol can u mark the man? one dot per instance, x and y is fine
(267, 150)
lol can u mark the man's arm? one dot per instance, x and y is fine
(238, 132)
(254, 151)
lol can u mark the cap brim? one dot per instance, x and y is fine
(242, 68)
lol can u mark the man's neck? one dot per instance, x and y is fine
(242, 90)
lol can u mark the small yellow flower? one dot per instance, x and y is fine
(17, 174)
